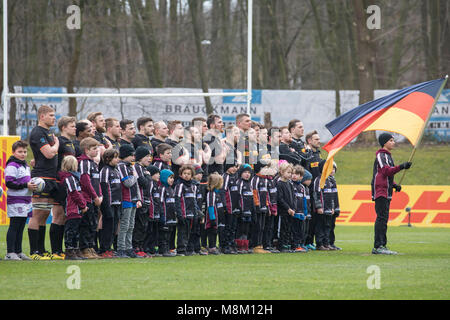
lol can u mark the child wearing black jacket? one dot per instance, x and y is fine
(286, 205)
(92, 193)
(143, 158)
(154, 209)
(168, 218)
(198, 224)
(231, 194)
(326, 204)
(186, 205)
(298, 235)
(112, 202)
(215, 210)
(249, 203)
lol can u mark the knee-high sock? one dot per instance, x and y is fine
(41, 242)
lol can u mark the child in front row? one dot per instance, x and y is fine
(306, 181)
(186, 201)
(198, 225)
(215, 210)
(112, 202)
(154, 207)
(168, 218)
(131, 200)
(327, 205)
(17, 179)
(76, 206)
(248, 204)
(286, 206)
(92, 193)
(299, 215)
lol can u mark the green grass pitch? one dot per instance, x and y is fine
(420, 271)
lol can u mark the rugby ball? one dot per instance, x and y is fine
(39, 182)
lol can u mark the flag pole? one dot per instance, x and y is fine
(424, 126)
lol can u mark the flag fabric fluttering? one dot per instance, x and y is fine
(406, 112)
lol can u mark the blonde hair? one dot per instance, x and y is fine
(44, 109)
(69, 163)
(284, 167)
(215, 181)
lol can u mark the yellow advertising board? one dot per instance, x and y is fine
(6, 143)
(430, 206)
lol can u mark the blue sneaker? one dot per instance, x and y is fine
(306, 248)
(311, 247)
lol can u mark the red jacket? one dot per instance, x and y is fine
(383, 175)
(75, 201)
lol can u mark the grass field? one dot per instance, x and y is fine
(420, 271)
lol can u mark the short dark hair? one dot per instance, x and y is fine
(240, 116)
(142, 121)
(185, 167)
(292, 123)
(212, 119)
(198, 119)
(310, 134)
(163, 147)
(80, 126)
(272, 130)
(125, 122)
(110, 154)
(19, 144)
(172, 125)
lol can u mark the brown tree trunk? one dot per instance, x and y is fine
(74, 66)
(193, 8)
(366, 59)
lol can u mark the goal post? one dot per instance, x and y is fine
(7, 95)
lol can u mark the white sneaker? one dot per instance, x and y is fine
(23, 256)
(12, 256)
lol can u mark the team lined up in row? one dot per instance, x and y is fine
(171, 189)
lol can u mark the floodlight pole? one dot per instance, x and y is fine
(5, 67)
(249, 55)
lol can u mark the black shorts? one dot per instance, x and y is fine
(52, 190)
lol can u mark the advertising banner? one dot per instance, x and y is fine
(429, 206)
(5, 152)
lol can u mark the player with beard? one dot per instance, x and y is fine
(145, 127)
(99, 123)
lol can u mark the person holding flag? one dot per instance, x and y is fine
(382, 188)
(406, 112)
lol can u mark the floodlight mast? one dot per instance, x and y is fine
(7, 95)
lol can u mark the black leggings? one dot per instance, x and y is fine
(15, 234)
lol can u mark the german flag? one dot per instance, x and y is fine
(406, 112)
